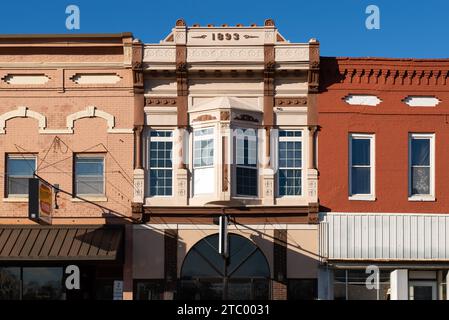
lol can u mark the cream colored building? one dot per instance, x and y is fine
(229, 129)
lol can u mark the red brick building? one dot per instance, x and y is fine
(383, 188)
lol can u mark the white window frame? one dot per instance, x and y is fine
(361, 196)
(210, 136)
(431, 195)
(90, 155)
(234, 153)
(148, 161)
(17, 156)
(300, 139)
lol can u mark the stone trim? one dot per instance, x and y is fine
(89, 112)
(22, 112)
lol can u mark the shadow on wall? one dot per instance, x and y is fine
(329, 73)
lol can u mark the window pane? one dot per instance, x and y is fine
(9, 283)
(89, 185)
(361, 151)
(89, 166)
(421, 152)
(161, 154)
(42, 284)
(203, 153)
(289, 182)
(89, 175)
(161, 182)
(21, 167)
(160, 133)
(246, 151)
(285, 133)
(18, 186)
(246, 181)
(290, 154)
(361, 181)
(420, 180)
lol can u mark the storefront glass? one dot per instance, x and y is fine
(43, 284)
(351, 285)
(10, 283)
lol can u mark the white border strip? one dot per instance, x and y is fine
(260, 227)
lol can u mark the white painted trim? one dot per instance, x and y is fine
(431, 195)
(91, 111)
(90, 198)
(22, 112)
(421, 101)
(427, 214)
(231, 227)
(363, 197)
(121, 131)
(15, 199)
(362, 100)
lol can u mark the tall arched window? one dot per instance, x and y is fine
(205, 274)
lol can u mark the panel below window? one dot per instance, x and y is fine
(203, 181)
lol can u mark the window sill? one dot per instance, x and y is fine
(419, 198)
(90, 198)
(15, 199)
(360, 197)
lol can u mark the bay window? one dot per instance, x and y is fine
(290, 163)
(203, 161)
(160, 163)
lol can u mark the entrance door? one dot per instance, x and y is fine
(244, 275)
(423, 290)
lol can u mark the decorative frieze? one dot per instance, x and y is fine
(160, 101)
(285, 102)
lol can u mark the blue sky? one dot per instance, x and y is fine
(407, 28)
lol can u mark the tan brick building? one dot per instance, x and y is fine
(67, 106)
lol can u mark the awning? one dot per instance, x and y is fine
(60, 243)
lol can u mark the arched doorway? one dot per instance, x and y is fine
(205, 274)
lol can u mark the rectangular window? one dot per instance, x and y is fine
(361, 166)
(19, 168)
(89, 175)
(421, 166)
(160, 163)
(246, 162)
(203, 161)
(351, 285)
(290, 163)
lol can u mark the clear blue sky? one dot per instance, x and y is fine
(408, 28)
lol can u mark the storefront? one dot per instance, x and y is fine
(60, 262)
(264, 262)
(367, 256)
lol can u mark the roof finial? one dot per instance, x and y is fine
(180, 23)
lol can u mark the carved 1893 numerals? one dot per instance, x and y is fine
(225, 36)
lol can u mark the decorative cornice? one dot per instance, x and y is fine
(392, 72)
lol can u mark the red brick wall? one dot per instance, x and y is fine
(391, 121)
